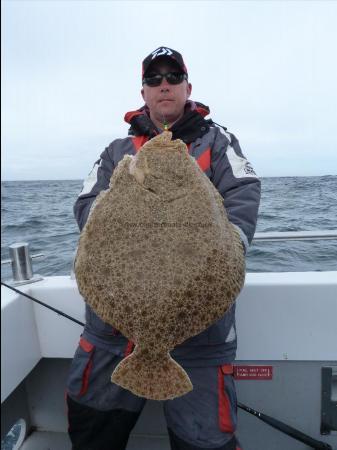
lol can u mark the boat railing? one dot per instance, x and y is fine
(295, 235)
(20, 257)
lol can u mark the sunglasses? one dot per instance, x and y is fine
(155, 79)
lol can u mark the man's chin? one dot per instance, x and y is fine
(166, 116)
(166, 108)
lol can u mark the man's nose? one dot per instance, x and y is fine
(164, 86)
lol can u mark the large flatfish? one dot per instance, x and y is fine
(159, 261)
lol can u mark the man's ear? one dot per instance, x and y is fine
(189, 90)
(142, 92)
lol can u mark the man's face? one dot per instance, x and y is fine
(166, 101)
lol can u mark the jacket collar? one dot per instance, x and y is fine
(188, 128)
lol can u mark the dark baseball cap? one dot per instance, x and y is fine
(161, 52)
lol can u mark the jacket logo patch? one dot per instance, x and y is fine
(241, 168)
(249, 169)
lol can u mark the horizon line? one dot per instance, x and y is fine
(82, 179)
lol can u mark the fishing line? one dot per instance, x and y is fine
(57, 311)
(165, 123)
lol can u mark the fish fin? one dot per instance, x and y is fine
(159, 379)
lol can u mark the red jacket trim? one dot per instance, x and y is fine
(86, 345)
(204, 160)
(128, 349)
(139, 141)
(131, 114)
(85, 377)
(227, 369)
(202, 111)
(225, 420)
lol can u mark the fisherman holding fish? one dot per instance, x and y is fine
(102, 413)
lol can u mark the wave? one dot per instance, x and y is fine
(41, 212)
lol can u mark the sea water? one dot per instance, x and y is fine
(41, 213)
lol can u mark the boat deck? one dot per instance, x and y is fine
(43, 440)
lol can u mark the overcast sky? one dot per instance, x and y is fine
(72, 69)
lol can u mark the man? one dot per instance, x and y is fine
(102, 414)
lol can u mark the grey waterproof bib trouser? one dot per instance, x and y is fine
(101, 414)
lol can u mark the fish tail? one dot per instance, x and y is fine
(160, 378)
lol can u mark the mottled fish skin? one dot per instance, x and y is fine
(159, 261)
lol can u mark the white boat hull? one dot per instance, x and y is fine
(284, 320)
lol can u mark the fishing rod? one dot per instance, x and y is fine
(284, 428)
(57, 311)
